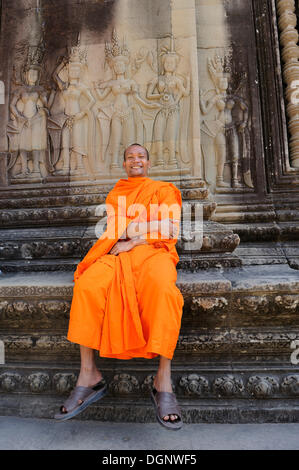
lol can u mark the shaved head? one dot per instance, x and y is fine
(136, 145)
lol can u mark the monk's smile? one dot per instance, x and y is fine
(136, 162)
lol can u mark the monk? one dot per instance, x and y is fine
(125, 302)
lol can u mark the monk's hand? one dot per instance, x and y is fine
(122, 246)
(169, 228)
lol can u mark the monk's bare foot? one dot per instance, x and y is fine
(162, 383)
(87, 378)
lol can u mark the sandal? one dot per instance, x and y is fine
(165, 403)
(87, 395)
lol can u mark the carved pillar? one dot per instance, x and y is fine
(290, 54)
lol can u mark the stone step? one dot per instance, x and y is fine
(265, 253)
(206, 393)
(70, 214)
(239, 344)
(75, 205)
(236, 297)
(247, 314)
(91, 191)
(197, 262)
(219, 411)
(69, 198)
(134, 379)
(265, 231)
(234, 359)
(42, 249)
(240, 295)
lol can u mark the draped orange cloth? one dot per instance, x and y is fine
(128, 305)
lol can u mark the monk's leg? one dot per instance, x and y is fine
(88, 303)
(161, 304)
(89, 374)
(162, 381)
(87, 314)
(160, 301)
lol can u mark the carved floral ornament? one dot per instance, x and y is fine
(190, 385)
(80, 126)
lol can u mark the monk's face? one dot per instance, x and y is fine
(136, 162)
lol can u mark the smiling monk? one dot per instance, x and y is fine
(126, 303)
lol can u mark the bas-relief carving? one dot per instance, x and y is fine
(10, 381)
(290, 385)
(225, 130)
(151, 117)
(168, 89)
(27, 128)
(66, 126)
(194, 384)
(228, 386)
(64, 382)
(262, 387)
(191, 386)
(124, 384)
(71, 124)
(38, 382)
(125, 111)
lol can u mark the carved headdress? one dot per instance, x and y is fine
(115, 49)
(218, 69)
(35, 57)
(169, 51)
(78, 55)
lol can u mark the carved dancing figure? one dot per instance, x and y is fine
(71, 123)
(168, 89)
(27, 128)
(126, 117)
(226, 132)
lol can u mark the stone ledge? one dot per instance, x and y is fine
(217, 298)
(44, 248)
(127, 380)
(258, 278)
(237, 411)
(218, 343)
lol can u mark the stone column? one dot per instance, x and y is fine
(290, 55)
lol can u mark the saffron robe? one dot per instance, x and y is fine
(128, 305)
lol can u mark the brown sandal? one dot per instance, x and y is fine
(165, 403)
(87, 395)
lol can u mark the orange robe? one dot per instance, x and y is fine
(128, 305)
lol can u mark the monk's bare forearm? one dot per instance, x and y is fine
(138, 241)
(166, 227)
(141, 228)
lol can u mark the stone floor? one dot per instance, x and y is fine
(44, 434)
